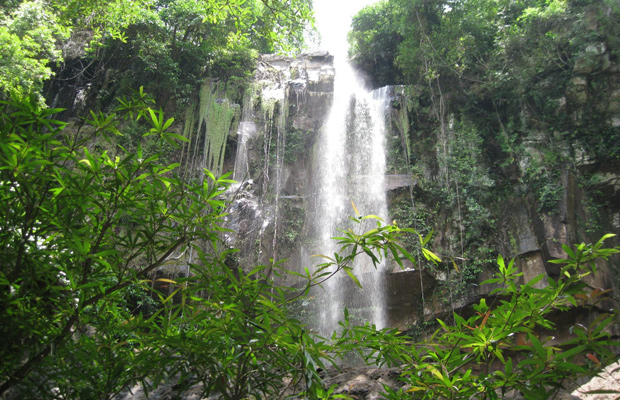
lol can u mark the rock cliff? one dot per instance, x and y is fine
(443, 176)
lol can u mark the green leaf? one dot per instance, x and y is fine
(349, 272)
(429, 255)
(176, 136)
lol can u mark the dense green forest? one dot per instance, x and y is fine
(91, 210)
(503, 101)
(167, 46)
(489, 62)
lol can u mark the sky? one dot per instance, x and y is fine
(333, 20)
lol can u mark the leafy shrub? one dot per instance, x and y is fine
(506, 347)
(83, 230)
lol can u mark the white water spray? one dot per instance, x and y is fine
(351, 170)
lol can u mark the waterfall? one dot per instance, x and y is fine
(246, 131)
(309, 148)
(350, 175)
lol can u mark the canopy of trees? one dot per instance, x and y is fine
(165, 43)
(502, 100)
(498, 58)
(480, 41)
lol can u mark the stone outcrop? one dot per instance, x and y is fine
(75, 47)
(582, 193)
(283, 112)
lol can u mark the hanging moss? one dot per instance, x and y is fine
(215, 118)
(268, 107)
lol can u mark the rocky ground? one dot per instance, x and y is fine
(607, 380)
(367, 383)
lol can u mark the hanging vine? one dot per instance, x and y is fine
(215, 118)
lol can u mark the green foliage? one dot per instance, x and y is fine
(295, 145)
(168, 46)
(381, 242)
(251, 339)
(506, 347)
(272, 24)
(292, 230)
(171, 52)
(374, 39)
(84, 230)
(463, 214)
(28, 37)
(82, 235)
(171, 48)
(81, 226)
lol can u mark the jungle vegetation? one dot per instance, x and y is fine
(502, 101)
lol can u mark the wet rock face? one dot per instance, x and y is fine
(592, 59)
(245, 218)
(283, 112)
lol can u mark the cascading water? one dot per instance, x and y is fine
(351, 175)
(246, 131)
(283, 201)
